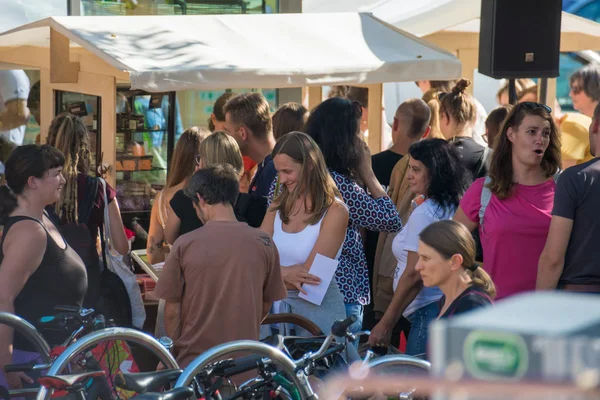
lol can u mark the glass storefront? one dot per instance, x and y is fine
(177, 7)
(193, 108)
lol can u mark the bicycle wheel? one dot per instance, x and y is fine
(248, 346)
(84, 344)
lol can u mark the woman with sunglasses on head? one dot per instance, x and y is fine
(511, 208)
(182, 166)
(447, 260)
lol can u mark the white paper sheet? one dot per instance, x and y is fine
(324, 268)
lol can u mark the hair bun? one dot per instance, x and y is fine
(461, 86)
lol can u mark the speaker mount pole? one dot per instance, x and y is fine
(512, 91)
(543, 93)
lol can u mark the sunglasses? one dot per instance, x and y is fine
(576, 89)
(530, 105)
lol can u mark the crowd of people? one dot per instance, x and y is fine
(462, 210)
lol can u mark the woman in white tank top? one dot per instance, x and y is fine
(305, 219)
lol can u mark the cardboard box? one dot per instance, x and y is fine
(543, 336)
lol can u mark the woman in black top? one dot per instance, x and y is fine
(218, 148)
(458, 114)
(38, 270)
(447, 260)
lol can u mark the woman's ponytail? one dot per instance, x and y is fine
(8, 203)
(481, 278)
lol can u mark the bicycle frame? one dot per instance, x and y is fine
(103, 335)
(299, 379)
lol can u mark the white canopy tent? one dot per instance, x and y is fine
(162, 53)
(168, 53)
(454, 26)
(419, 17)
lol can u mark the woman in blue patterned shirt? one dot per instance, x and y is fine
(334, 125)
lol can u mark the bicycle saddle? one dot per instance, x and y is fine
(64, 382)
(143, 382)
(181, 393)
(275, 341)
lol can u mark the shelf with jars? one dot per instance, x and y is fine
(144, 142)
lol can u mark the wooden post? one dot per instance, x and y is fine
(315, 96)
(375, 139)
(470, 61)
(62, 70)
(105, 87)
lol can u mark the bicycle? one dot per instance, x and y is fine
(87, 330)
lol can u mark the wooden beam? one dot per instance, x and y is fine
(470, 61)
(375, 139)
(315, 96)
(62, 70)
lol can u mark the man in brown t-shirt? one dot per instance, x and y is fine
(219, 280)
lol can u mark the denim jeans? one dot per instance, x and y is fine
(357, 310)
(417, 339)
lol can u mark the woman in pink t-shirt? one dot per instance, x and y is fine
(517, 217)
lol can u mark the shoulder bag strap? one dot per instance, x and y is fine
(486, 196)
(484, 160)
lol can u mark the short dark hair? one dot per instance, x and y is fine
(590, 80)
(218, 109)
(417, 114)
(251, 110)
(216, 185)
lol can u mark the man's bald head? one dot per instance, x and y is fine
(413, 118)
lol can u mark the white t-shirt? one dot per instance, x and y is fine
(14, 84)
(408, 240)
(479, 128)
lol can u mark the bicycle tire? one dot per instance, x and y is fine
(298, 320)
(255, 348)
(103, 335)
(399, 360)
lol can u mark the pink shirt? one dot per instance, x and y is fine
(514, 233)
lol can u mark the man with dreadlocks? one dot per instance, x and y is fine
(81, 207)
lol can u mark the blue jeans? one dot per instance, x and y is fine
(357, 310)
(417, 339)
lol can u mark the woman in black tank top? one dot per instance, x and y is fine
(38, 270)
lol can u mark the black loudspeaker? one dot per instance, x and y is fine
(520, 38)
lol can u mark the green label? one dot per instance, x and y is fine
(495, 355)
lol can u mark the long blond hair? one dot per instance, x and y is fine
(69, 134)
(448, 238)
(220, 148)
(315, 183)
